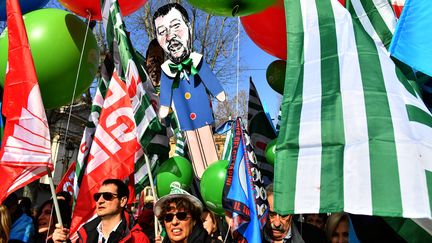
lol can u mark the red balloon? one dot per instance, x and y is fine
(84, 7)
(267, 29)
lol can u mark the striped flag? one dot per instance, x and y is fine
(26, 149)
(261, 132)
(355, 136)
(151, 133)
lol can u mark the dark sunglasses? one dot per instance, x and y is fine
(179, 215)
(108, 196)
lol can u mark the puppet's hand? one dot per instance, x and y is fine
(163, 111)
(221, 96)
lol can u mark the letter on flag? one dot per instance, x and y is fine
(26, 148)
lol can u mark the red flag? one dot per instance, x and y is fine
(112, 154)
(67, 182)
(26, 150)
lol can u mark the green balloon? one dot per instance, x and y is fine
(212, 184)
(56, 39)
(275, 75)
(270, 151)
(232, 7)
(176, 168)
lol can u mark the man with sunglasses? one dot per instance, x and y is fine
(282, 228)
(111, 224)
(180, 213)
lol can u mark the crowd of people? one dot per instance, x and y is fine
(183, 217)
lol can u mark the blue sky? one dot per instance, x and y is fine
(256, 62)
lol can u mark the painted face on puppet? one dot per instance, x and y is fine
(173, 35)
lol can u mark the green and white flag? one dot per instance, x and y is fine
(355, 136)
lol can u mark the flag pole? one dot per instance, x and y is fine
(54, 197)
(149, 173)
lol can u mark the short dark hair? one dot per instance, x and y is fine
(164, 10)
(122, 189)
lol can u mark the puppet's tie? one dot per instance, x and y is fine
(186, 65)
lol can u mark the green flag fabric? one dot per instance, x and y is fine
(355, 136)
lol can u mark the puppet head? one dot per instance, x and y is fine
(173, 31)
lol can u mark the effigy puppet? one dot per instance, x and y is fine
(186, 82)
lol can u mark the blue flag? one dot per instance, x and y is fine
(412, 39)
(239, 192)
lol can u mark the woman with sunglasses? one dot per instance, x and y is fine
(180, 214)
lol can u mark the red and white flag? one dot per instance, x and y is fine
(112, 154)
(26, 150)
(67, 182)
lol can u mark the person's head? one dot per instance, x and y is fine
(111, 199)
(317, 220)
(154, 59)
(209, 221)
(173, 31)
(5, 224)
(179, 216)
(179, 212)
(278, 225)
(337, 228)
(46, 217)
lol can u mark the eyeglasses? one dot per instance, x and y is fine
(273, 215)
(108, 196)
(179, 215)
